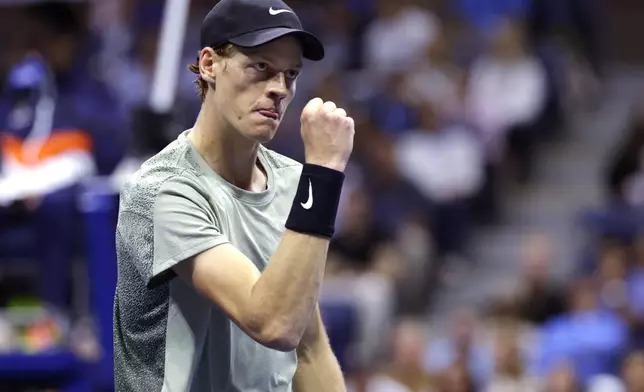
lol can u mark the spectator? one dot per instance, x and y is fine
(395, 200)
(510, 374)
(635, 287)
(391, 108)
(506, 95)
(463, 345)
(589, 337)
(405, 372)
(611, 274)
(619, 289)
(605, 383)
(360, 246)
(539, 300)
(362, 268)
(633, 372)
(396, 22)
(335, 23)
(483, 15)
(445, 162)
(625, 174)
(438, 79)
(131, 78)
(457, 378)
(562, 378)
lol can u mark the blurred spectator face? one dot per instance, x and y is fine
(457, 379)
(357, 213)
(507, 356)
(503, 308)
(633, 372)
(583, 296)
(508, 41)
(382, 158)
(612, 265)
(463, 328)
(428, 117)
(262, 78)
(397, 86)
(638, 248)
(537, 252)
(561, 379)
(408, 344)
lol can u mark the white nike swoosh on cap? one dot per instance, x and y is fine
(277, 12)
(309, 202)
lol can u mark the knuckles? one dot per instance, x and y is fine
(327, 113)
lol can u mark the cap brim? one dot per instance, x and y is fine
(312, 48)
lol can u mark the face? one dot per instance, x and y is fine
(633, 371)
(252, 89)
(463, 327)
(508, 360)
(537, 252)
(409, 343)
(612, 265)
(639, 251)
(561, 379)
(508, 42)
(583, 296)
(456, 379)
(358, 213)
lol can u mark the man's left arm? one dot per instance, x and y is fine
(318, 369)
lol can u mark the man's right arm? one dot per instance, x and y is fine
(274, 308)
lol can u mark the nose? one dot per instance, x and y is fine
(278, 88)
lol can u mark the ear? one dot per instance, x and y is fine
(208, 65)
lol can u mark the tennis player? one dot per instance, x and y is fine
(222, 242)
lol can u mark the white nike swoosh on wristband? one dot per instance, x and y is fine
(277, 12)
(309, 202)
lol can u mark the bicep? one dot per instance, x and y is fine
(226, 277)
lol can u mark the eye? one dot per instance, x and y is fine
(260, 67)
(292, 74)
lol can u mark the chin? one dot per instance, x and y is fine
(261, 133)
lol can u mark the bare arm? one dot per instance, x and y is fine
(318, 369)
(275, 307)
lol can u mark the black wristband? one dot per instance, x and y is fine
(315, 205)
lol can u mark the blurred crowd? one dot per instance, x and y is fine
(452, 100)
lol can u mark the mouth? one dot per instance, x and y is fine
(269, 113)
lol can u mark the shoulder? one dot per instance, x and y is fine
(287, 171)
(169, 169)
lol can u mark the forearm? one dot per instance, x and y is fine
(287, 291)
(318, 369)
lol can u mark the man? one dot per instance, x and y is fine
(218, 282)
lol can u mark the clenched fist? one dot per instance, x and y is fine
(327, 133)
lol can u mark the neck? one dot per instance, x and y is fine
(229, 154)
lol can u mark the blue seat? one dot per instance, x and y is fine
(17, 243)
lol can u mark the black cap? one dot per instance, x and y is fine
(250, 23)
